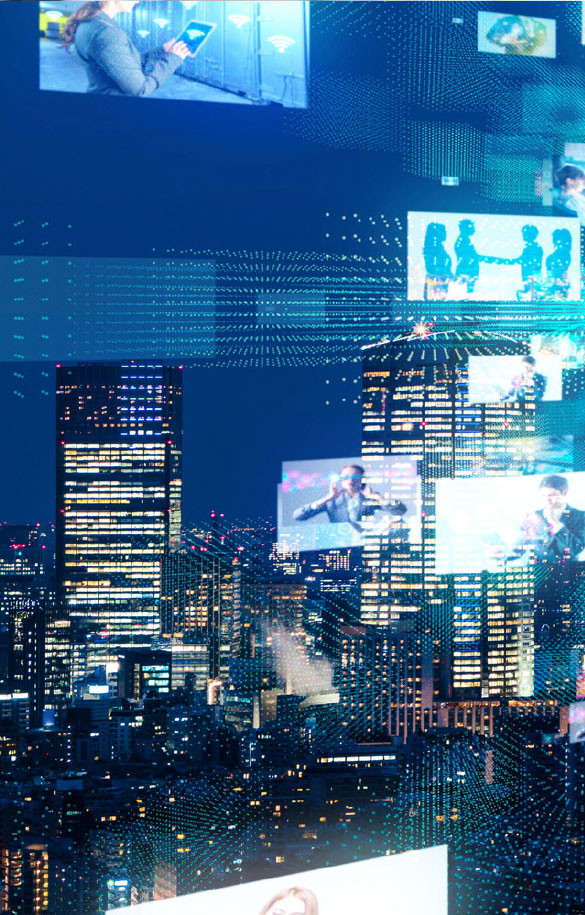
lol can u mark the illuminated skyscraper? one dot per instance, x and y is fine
(24, 594)
(415, 403)
(57, 661)
(26, 656)
(144, 671)
(23, 561)
(119, 437)
(385, 680)
(196, 601)
(25, 879)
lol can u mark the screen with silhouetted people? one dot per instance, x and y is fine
(474, 257)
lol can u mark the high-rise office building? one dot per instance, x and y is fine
(119, 439)
(58, 652)
(196, 601)
(24, 871)
(23, 562)
(26, 656)
(385, 680)
(25, 593)
(144, 671)
(415, 402)
(197, 604)
(190, 662)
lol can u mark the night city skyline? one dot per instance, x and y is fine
(292, 492)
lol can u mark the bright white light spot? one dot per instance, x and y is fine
(281, 42)
(239, 20)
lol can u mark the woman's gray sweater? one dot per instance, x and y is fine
(114, 65)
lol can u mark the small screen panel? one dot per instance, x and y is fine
(474, 257)
(577, 722)
(515, 379)
(522, 36)
(332, 503)
(210, 51)
(503, 522)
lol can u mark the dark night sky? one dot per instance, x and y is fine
(133, 176)
(136, 175)
(239, 425)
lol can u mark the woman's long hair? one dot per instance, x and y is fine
(86, 11)
(306, 896)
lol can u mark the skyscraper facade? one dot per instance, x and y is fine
(26, 656)
(386, 680)
(119, 446)
(23, 562)
(415, 402)
(196, 601)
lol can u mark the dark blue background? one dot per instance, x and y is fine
(135, 177)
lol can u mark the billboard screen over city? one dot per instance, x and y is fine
(530, 454)
(208, 51)
(563, 181)
(516, 35)
(473, 257)
(568, 346)
(497, 523)
(515, 379)
(414, 883)
(577, 722)
(334, 503)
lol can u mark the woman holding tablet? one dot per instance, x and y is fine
(113, 64)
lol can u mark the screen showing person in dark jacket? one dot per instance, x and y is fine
(328, 503)
(515, 379)
(498, 523)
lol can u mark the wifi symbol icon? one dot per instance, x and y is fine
(281, 42)
(239, 20)
(194, 33)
